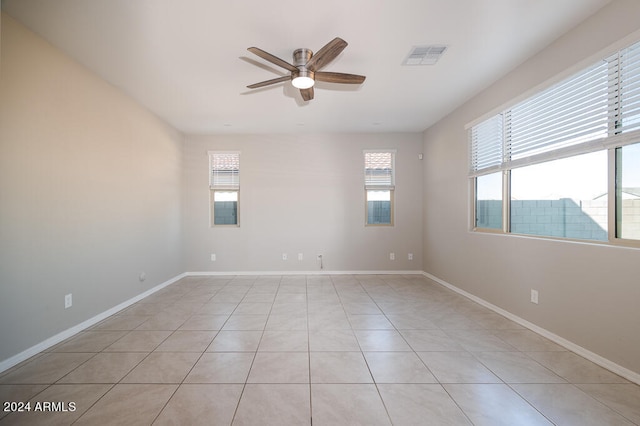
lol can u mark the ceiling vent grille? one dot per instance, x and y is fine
(424, 55)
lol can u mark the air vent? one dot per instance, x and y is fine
(424, 55)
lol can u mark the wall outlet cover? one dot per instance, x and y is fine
(534, 296)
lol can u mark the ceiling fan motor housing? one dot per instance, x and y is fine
(301, 56)
(300, 59)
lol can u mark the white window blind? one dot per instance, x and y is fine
(378, 169)
(224, 170)
(626, 112)
(567, 114)
(487, 145)
(581, 114)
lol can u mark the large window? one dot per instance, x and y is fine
(549, 165)
(224, 184)
(379, 184)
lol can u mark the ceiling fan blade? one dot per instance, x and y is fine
(269, 82)
(273, 59)
(338, 77)
(327, 54)
(307, 94)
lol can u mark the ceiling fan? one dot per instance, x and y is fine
(305, 70)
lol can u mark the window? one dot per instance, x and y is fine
(224, 184)
(489, 201)
(628, 192)
(564, 198)
(541, 167)
(379, 185)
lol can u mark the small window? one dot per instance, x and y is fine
(628, 192)
(224, 184)
(379, 184)
(489, 201)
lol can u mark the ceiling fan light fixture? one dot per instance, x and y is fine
(302, 82)
(303, 78)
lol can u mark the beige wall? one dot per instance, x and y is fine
(588, 293)
(90, 193)
(304, 194)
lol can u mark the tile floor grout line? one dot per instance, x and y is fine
(361, 352)
(464, 413)
(94, 403)
(306, 299)
(607, 405)
(165, 404)
(530, 403)
(255, 354)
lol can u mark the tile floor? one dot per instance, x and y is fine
(332, 350)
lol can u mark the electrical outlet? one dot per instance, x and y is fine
(410, 256)
(534, 296)
(300, 256)
(284, 256)
(213, 257)
(392, 256)
(68, 301)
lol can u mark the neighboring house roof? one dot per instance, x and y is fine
(631, 192)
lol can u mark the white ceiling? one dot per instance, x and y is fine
(186, 60)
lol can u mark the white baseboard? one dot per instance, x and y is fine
(321, 272)
(54, 340)
(585, 353)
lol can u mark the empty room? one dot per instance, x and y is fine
(357, 212)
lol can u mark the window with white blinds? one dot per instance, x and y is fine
(379, 185)
(224, 170)
(224, 183)
(581, 114)
(550, 164)
(378, 169)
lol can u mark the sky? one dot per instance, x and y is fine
(582, 177)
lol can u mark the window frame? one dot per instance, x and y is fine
(371, 186)
(615, 157)
(617, 136)
(232, 186)
(506, 207)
